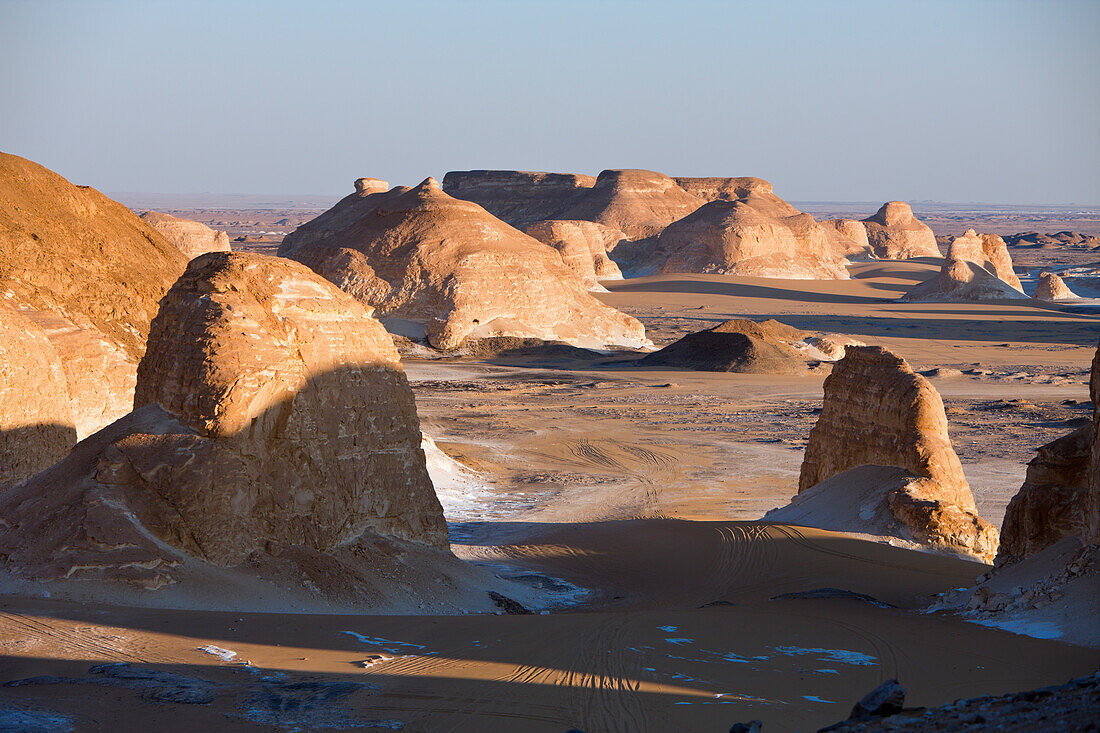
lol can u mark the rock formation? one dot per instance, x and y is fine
(583, 246)
(1051, 287)
(428, 261)
(962, 280)
(849, 237)
(724, 189)
(1075, 240)
(1053, 502)
(639, 203)
(275, 434)
(36, 418)
(193, 238)
(878, 413)
(895, 234)
(739, 345)
(518, 197)
(90, 274)
(367, 186)
(987, 250)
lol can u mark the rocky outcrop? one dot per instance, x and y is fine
(638, 203)
(275, 433)
(849, 237)
(36, 418)
(425, 260)
(1051, 287)
(583, 246)
(367, 186)
(987, 250)
(89, 273)
(1052, 504)
(724, 189)
(962, 280)
(1074, 240)
(895, 234)
(518, 197)
(193, 238)
(878, 412)
(739, 345)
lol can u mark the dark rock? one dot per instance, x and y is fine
(886, 699)
(508, 605)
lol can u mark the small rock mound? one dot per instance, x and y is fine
(962, 280)
(739, 345)
(275, 434)
(193, 238)
(1051, 287)
(895, 234)
(878, 413)
(987, 250)
(428, 261)
(583, 246)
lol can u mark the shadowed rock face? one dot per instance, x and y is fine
(518, 197)
(724, 189)
(36, 417)
(273, 420)
(421, 256)
(1052, 504)
(960, 280)
(738, 345)
(583, 246)
(895, 234)
(192, 238)
(1051, 287)
(90, 274)
(878, 412)
(987, 250)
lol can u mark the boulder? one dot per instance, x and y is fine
(583, 246)
(1052, 504)
(1051, 287)
(436, 266)
(895, 234)
(37, 428)
(878, 412)
(89, 273)
(739, 345)
(962, 280)
(274, 434)
(987, 250)
(193, 238)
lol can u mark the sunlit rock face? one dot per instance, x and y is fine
(90, 274)
(518, 197)
(1051, 287)
(962, 280)
(450, 268)
(583, 246)
(273, 420)
(878, 412)
(849, 237)
(895, 234)
(37, 428)
(987, 250)
(192, 238)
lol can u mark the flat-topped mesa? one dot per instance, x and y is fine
(90, 274)
(367, 186)
(639, 203)
(37, 428)
(273, 420)
(987, 250)
(727, 189)
(962, 280)
(1051, 287)
(426, 260)
(1053, 502)
(895, 234)
(878, 413)
(192, 238)
(583, 246)
(518, 197)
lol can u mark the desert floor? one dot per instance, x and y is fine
(628, 497)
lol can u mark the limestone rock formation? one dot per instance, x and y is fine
(724, 189)
(368, 186)
(428, 261)
(36, 418)
(518, 197)
(987, 250)
(583, 246)
(878, 412)
(1051, 287)
(90, 274)
(895, 234)
(193, 238)
(849, 237)
(739, 345)
(1052, 504)
(275, 433)
(639, 203)
(960, 279)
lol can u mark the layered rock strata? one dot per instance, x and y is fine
(583, 246)
(518, 197)
(895, 234)
(192, 238)
(429, 261)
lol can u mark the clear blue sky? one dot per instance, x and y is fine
(994, 101)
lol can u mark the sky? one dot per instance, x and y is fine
(983, 101)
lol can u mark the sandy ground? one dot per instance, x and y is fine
(628, 496)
